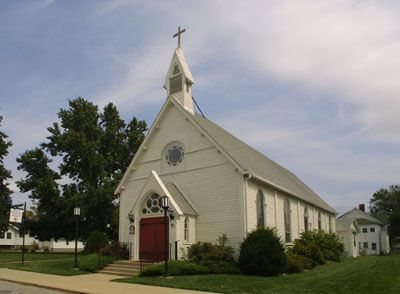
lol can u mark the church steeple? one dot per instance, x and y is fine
(179, 80)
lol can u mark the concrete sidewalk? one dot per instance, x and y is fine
(91, 283)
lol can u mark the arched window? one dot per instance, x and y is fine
(152, 205)
(186, 229)
(319, 221)
(286, 210)
(306, 219)
(260, 206)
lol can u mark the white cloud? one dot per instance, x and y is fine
(344, 48)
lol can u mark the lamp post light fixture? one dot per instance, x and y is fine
(77, 213)
(165, 206)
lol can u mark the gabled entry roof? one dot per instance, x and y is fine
(181, 199)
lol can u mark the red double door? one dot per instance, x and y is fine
(152, 238)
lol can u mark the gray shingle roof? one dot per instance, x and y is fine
(360, 216)
(258, 164)
(181, 199)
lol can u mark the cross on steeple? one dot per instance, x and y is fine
(178, 34)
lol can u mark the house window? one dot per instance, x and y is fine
(330, 224)
(260, 205)
(373, 246)
(319, 221)
(306, 218)
(372, 230)
(186, 229)
(9, 235)
(365, 245)
(1, 235)
(365, 230)
(21, 235)
(354, 239)
(286, 210)
(66, 242)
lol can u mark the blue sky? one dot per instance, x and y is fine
(314, 85)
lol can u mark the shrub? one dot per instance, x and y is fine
(116, 249)
(297, 263)
(262, 253)
(309, 250)
(328, 244)
(95, 242)
(218, 258)
(175, 268)
(93, 262)
(34, 247)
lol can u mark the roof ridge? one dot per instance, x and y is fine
(277, 175)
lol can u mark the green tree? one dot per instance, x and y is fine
(5, 192)
(41, 182)
(387, 202)
(94, 149)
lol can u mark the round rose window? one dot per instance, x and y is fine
(175, 155)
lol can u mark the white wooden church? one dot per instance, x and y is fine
(215, 183)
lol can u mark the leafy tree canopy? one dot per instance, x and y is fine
(93, 150)
(387, 202)
(5, 192)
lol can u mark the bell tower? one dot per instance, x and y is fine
(179, 80)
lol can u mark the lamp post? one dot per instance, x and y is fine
(22, 228)
(77, 213)
(165, 206)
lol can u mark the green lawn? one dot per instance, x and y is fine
(48, 263)
(63, 267)
(16, 256)
(380, 274)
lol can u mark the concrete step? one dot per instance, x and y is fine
(124, 266)
(118, 273)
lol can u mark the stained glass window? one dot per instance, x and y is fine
(286, 210)
(260, 205)
(186, 229)
(174, 155)
(152, 204)
(306, 217)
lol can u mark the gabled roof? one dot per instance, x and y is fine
(181, 199)
(345, 225)
(244, 157)
(257, 164)
(360, 216)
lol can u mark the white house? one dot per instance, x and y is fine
(372, 234)
(349, 234)
(215, 183)
(13, 239)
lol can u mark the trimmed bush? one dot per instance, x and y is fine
(94, 262)
(319, 246)
(175, 268)
(262, 253)
(95, 242)
(297, 263)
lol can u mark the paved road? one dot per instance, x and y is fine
(14, 288)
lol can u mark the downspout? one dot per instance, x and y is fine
(246, 177)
